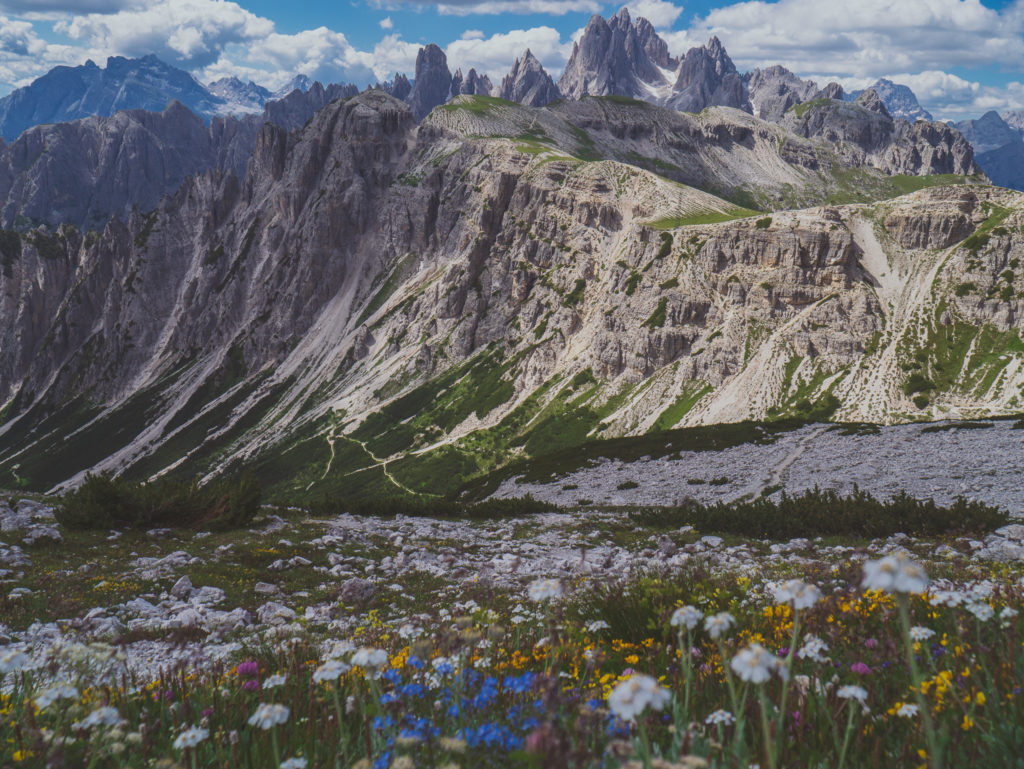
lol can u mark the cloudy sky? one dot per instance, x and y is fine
(961, 57)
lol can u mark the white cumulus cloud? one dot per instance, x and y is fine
(189, 33)
(496, 54)
(660, 13)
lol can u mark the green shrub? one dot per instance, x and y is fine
(434, 507)
(918, 383)
(825, 513)
(626, 485)
(103, 502)
(666, 245)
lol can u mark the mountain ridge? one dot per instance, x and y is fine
(440, 300)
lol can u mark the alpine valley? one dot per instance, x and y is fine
(409, 288)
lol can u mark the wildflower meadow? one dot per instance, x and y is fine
(868, 662)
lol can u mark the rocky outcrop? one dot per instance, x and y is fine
(432, 85)
(706, 77)
(528, 83)
(620, 57)
(612, 58)
(864, 133)
(472, 85)
(296, 108)
(936, 222)
(775, 90)
(87, 171)
(831, 91)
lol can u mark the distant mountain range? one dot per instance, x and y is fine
(69, 93)
(619, 56)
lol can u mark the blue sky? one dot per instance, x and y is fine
(962, 57)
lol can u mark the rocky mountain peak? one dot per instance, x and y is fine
(433, 82)
(774, 90)
(871, 101)
(831, 91)
(472, 84)
(528, 83)
(707, 77)
(899, 100)
(653, 45)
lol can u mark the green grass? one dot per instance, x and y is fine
(802, 108)
(478, 104)
(682, 406)
(658, 317)
(907, 184)
(706, 217)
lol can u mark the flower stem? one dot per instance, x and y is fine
(846, 737)
(934, 759)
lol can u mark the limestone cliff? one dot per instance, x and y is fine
(381, 305)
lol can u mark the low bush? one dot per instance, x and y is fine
(434, 507)
(105, 502)
(818, 513)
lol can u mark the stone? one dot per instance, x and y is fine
(208, 595)
(182, 589)
(272, 613)
(356, 592)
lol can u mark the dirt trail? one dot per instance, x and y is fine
(777, 474)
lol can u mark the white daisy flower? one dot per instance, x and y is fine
(544, 590)
(797, 593)
(851, 692)
(59, 692)
(723, 717)
(982, 611)
(756, 664)
(813, 649)
(897, 573)
(330, 671)
(268, 716)
(907, 711)
(718, 625)
(372, 661)
(918, 633)
(294, 763)
(633, 696)
(104, 716)
(190, 737)
(686, 616)
(13, 661)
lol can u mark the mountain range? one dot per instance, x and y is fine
(406, 288)
(614, 57)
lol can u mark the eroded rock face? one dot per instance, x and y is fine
(706, 77)
(944, 218)
(365, 256)
(528, 83)
(775, 90)
(472, 84)
(432, 85)
(620, 57)
(865, 134)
